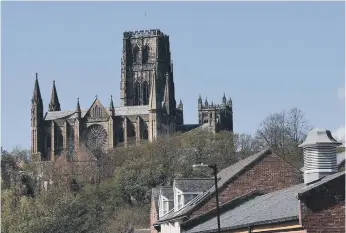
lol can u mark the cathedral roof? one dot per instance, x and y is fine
(120, 111)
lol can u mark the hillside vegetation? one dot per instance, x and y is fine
(112, 193)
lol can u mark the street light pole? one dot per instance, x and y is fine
(214, 167)
(217, 197)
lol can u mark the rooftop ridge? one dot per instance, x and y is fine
(194, 178)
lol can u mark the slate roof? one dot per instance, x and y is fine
(120, 111)
(340, 158)
(167, 192)
(194, 185)
(62, 115)
(273, 207)
(224, 176)
(142, 231)
(324, 180)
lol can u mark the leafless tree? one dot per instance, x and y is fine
(284, 131)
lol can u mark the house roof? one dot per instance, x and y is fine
(167, 192)
(224, 176)
(193, 184)
(340, 159)
(142, 231)
(323, 181)
(278, 206)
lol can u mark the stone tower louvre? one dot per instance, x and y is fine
(147, 106)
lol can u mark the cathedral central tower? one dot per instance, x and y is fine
(146, 54)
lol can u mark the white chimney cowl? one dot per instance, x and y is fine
(320, 158)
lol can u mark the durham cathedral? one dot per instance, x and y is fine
(147, 109)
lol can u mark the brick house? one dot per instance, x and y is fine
(322, 205)
(263, 171)
(263, 193)
(297, 209)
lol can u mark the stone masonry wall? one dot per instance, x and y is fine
(269, 174)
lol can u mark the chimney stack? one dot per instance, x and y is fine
(319, 150)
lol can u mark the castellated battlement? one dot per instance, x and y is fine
(143, 33)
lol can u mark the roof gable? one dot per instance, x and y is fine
(225, 176)
(97, 110)
(167, 192)
(192, 185)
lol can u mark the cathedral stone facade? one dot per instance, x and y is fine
(148, 106)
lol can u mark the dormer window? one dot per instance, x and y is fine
(165, 201)
(180, 201)
(165, 207)
(186, 190)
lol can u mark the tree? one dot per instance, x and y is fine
(283, 132)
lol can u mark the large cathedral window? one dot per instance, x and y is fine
(135, 54)
(48, 143)
(58, 141)
(120, 135)
(146, 54)
(137, 93)
(95, 139)
(145, 93)
(70, 143)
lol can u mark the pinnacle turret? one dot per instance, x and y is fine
(229, 102)
(78, 110)
(111, 105)
(224, 98)
(206, 102)
(180, 106)
(54, 104)
(36, 98)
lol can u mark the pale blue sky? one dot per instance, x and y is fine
(268, 56)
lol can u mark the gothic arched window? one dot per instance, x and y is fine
(135, 54)
(48, 143)
(70, 143)
(58, 141)
(120, 135)
(145, 54)
(145, 134)
(137, 93)
(145, 93)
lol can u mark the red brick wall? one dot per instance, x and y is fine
(269, 174)
(323, 209)
(329, 220)
(153, 215)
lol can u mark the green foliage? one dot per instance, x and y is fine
(54, 211)
(168, 158)
(112, 194)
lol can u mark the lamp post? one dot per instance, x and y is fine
(214, 167)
